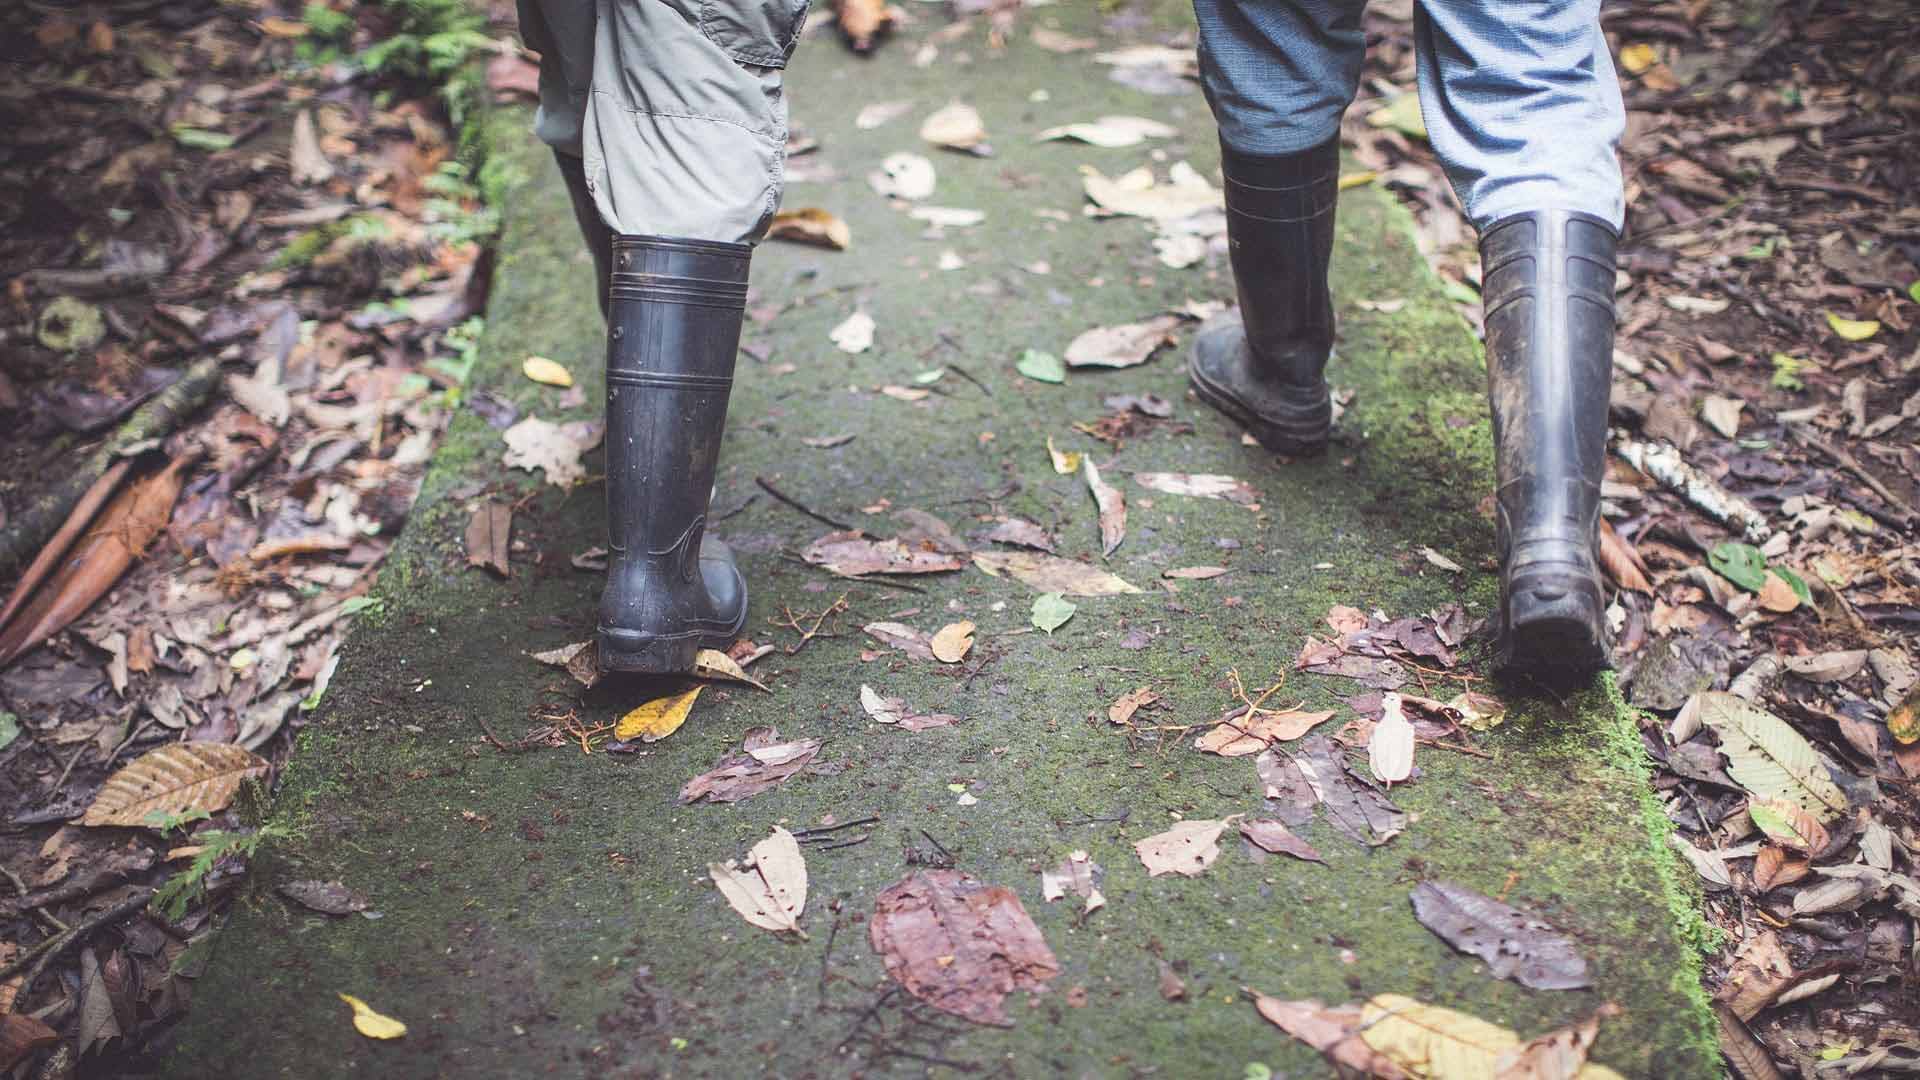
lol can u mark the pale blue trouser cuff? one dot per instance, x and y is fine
(1520, 99)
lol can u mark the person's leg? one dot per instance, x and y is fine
(1278, 75)
(681, 135)
(1522, 106)
(561, 31)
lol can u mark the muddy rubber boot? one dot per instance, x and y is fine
(673, 331)
(599, 237)
(1549, 312)
(1264, 365)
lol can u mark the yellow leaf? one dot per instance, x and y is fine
(1402, 114)
(1441, 1044)
(1357, 179)
(1852, 329)
(372, 1024)
(542, 370)
(714, 664)
(951, 644)
(1903, 723)
(1638, 57)
(657, 719)
(811, 225)
(1065, 462)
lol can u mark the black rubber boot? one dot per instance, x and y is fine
(1549, 312)
(1264, 366)
(673, 330)
(599, 237)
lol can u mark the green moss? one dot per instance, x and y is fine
(309, 245)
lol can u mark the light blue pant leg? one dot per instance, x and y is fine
(1522, 106)
(1520, 98)
(1279, 73)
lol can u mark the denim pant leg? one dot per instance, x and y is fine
(1522, 105)
(1279, 73)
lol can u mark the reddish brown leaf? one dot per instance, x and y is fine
(120, 535)
(1273, 836)
(21, 1035)
(1621, 562)
(49, 557)
(762, 762)
(959, 944)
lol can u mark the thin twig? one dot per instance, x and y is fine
(820, 829)
(1852, 465)
(766, 485)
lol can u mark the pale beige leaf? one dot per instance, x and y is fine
(770, 890)
(1390, 748)
(811, 225)
(854, 334)
(1200, 485)
(176, 779)
(951, 644)
(1769, 758)
(1111, 132)
(1186, 849)
(1121, 346)
(1111, 505)
(1065, 462)
(956, 127)
(1050, 573)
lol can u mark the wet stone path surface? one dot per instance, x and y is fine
(544, 911)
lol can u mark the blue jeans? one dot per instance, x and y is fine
(1519, 97)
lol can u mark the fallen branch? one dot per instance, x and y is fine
(1665, 466)
(35, 522)
(44, 953)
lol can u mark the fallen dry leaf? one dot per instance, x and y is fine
(581, 660)
(903, 637)
(811, 225)
(1111, 132)
(1514, 944)
(1621, 562)
(955, 127)
(1051, 574)
(657, 719)
(1121, 346)
(1020, 533)
(864, 22)
(952, 642)
(1334, 1031)
(1195, 573)
(896, 712)
(1393, 1037)
(714, 664)
(1065, 462)
(1077, 874)
(850, 554)
(1186, 849)
(1138, 194)
(554, 449)
(1274, 837)
(958, 944)
(855, 334)
(370, 1023)
(176, 779)
(1123, 707)
(903, 176)
(1390, 748)
(770, 889)
(488, 532)
(542, 370)
(1237, 736)
(1112, 506)
(1200, 485)
(763, 761)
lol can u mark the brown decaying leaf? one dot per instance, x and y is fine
(1237, 736)
(1111, 504)
(959, 944)
(895, 712)
(1273, 836)
(763, 761)
(1317, 774)
(1123, 707)
(1332, 1030)
(811, 225)
(173, 780)
(903, 637)
(863, 21)
(488, 533)
(1394, 1037)
(1621, 562)
(77, 519)
(1515, 945)
(1745, 1053)
(851, 554)
(98, 557)
(325, 897)
(1194, 573)
(21, 1035)
(1078, 874)
(1121, 346)
(1020, 533)
(1186, 849)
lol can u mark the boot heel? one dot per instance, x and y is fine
(646, 654)
(1555, 621)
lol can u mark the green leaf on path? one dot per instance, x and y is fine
(1741, 564)
(194, 138)
(1042, 366)
(1459, 292)
(1786, 372)
(1052, 610)
(10, 724)
(1913, 290)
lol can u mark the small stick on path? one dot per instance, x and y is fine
(766, 485)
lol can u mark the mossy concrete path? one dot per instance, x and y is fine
(548, 912)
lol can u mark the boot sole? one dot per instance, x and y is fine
(1554, 627)
(641, 653)
(1303, 435)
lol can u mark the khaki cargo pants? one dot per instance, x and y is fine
(673, 106)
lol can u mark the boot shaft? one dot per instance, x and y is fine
(1280, 216)
(675, 309)
(1548, 278)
